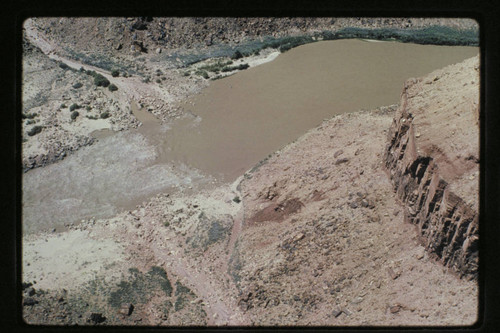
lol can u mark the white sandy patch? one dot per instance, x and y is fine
(69, 259)
(374, 40)
(86, 126)
(266, 55)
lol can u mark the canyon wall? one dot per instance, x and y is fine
(432, 159)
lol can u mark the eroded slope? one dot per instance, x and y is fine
(433, 158)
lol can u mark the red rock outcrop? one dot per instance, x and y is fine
(432, 159)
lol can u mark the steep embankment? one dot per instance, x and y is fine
(433, 161)
(323, 240)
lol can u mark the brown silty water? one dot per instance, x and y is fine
(243, 118)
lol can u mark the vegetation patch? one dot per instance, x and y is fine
(74, 106)
(105, 115)
(436, 35)
(183, 294)
(35, 130)
(139, 287)
(112, 87)
(235, 264)
(77, 85)
(215, 67)
(209, 232)
(99, 60)
(63, 65)
(101, 81)
(74, 115)
(29, 115)
(233, 68)
(237, 55)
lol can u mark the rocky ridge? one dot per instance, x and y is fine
(432, 158)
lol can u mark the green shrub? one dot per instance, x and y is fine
(105, 115)
(237, 199)
(92, 117)
(35, 130)
(237, 55)
(77, 85)
(74, 114)
(112, 87)
(63, 65)
(158, 81)
(215, 67)
(74, 106)
(233, 68)
(30, 121)
(138, 287)
(63, 106)
(202, 73)
(88, 108)
(115, 73)
(29, 115)
(101, 81)
(82, 69)
(243, 66)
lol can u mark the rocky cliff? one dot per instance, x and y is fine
(432, 158)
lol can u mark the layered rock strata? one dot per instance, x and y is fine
(432, 159)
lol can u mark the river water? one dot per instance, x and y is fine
(229, 127)
(247, 116)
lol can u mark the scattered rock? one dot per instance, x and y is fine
(392, 274)
(96, 318)
(341, 160)
(31, 291)
(26, 285)
(28, 301)
(346, 311)
(421, 253)
(357, 300)
(298, 237)
(336, 313)
(396, 308)
(126, 309)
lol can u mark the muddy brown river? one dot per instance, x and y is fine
(251, 114)
(229, 127)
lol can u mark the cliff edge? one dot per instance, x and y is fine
(433, 161)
